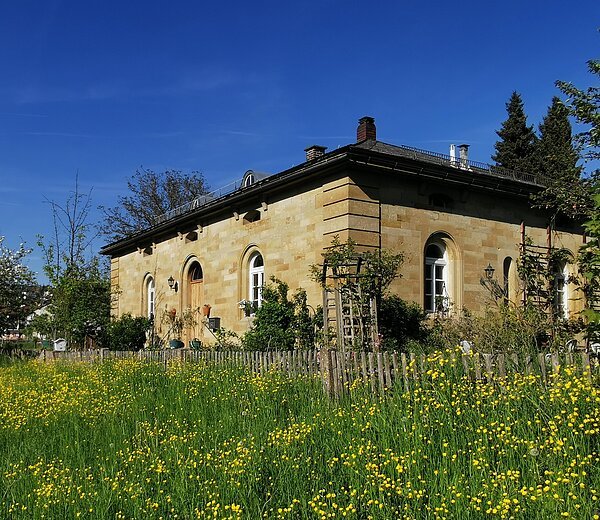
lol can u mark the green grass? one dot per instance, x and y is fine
(129, 440)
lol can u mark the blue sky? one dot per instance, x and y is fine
(103, 87)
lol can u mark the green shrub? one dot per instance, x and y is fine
(502, 329)
(280, 323)
(127, 333)
(401, 323)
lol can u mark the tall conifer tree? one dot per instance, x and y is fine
(556, 159)
(516, 148)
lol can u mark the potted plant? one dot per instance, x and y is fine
(248, 307)
(176, 324)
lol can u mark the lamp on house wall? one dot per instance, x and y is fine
(172, 283)
(489, 272)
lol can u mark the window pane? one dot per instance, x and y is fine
(429, 303)
(258, 261)
(428, 270)
(428, 286)
(433, 251)
(439, 288)
(439, 272)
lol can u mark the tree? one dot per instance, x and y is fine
(584, 105)
(516, 148)
(80, 289)
(151, 195)
(556, 159)
(589, 265)
(16, 283)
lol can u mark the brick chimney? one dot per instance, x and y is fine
(366, 129)
(314, 152)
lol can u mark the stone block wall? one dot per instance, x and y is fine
(398, 213)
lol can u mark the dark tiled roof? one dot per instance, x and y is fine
(471, 172)
(408, 152)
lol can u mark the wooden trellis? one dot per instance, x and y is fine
(537, 288)
(347, 310)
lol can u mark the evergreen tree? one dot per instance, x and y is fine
(556, 159)
(516, 148)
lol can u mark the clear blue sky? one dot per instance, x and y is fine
(102, 87)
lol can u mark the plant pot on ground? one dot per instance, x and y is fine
(177, 323)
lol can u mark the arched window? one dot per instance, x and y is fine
(561, 292)
(506, 278)
(256, 279)
(195, 273)
(436, 278)
(249, 180)
(150, 297)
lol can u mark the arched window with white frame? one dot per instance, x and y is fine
(150, 297)
(436, 278)
(256, 271)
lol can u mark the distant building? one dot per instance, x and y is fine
(452, 218)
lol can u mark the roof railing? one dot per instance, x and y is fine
(409, 152)
(200, 201)
(465, 164)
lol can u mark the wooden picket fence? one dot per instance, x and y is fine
(339, 371)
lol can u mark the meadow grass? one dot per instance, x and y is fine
(130, 439)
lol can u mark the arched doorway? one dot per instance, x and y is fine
(195, 298)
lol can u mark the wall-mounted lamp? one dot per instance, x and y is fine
(489, 272)
(172, 283)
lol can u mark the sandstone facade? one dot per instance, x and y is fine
(377, 194)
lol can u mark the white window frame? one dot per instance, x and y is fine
(436, 296)
(256, 279)
(150, 297)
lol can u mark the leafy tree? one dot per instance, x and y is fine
(16, 286)
(151, 194)
(280, 323)
(80, 288)
(556, 159)
(516, 148)
(589, 266)
(584, 105)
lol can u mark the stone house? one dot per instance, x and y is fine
(450, 216)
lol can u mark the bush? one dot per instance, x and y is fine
(280, 323)
(503, 329)
(401, 323)
(127, 333)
